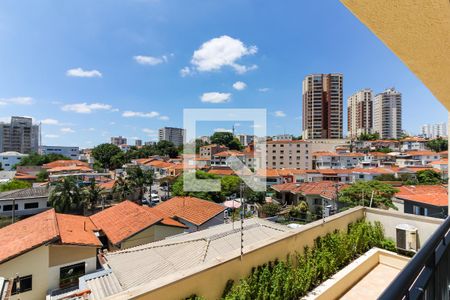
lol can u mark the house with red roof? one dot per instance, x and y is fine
(424, 200)
(46, 252)
(315, 194)
(128, 224)
(197, 214)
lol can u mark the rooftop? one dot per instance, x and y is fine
(429, 194)
(33, 192)
(191, 209)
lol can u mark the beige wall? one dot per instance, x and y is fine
(63, 254)
(151, 234)
(390, 219)
(54, 272)
(33, 263)
(198, 281)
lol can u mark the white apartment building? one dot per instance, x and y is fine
(283, 137)
(360, 113)
(20, 135)
(69, 152)
(118, 140)
(387, 114)
(333, 160)
(172, 134)
(9, 159)
(297, 154)
(245, 139)
(322, 106)
(433, 131)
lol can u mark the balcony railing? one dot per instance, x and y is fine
(427, 275)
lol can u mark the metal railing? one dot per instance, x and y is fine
(427, 275)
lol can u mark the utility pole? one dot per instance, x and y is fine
(241, 190)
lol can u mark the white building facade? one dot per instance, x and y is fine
(9, 159)
(69, 152)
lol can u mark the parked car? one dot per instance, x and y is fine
(154, 198)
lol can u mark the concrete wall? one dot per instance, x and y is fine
(21, 211)
(33, 263)
(151, 234)
(54, 272)
(390, 219)
(199, 280)
(217, 220)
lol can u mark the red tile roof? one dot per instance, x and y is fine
(221, 172)
(167, 219)
(69, 168)
(43, 228)
(191, 209)
(429, 194)
(326, 189)
(124, 220)
(422, 153)
(227, 153)
(443, 161)
(108, 185)
(286, 142)
(64, 163)
(77, 230)
(159, 164)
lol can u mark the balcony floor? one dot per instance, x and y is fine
(373, 284)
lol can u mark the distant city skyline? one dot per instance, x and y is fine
(127, 72)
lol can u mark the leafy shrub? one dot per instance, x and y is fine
(271, 209)
(293, 278)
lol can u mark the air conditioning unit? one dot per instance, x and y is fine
(406, 237)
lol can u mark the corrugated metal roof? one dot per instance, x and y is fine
(25, 193)
(103, 285)
(141, 264)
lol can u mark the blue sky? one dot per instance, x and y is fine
(92, 69)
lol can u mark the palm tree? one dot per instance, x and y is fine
(122, 188)
(66, 195)
(139, 179)
(92, 194)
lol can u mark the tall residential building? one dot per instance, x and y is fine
(171, 134)
(387, 114)
(433, 131)
(118, 140)
(138, 143)
(69, 152)
(322, 106)
(245, 139)
(20, 135)
(360, 113)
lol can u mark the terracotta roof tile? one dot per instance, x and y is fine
(64, 163)
(48, 226)
(227, 153)
(69, 168)
(429, 194)
(77, 230)
(27, 234)
(191, 209)
(124, 220)
(422, 153)
(167, 220)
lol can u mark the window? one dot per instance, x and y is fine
(68, 276)
(422, 211)
(31, 205)
(9, 207)
(25, 285)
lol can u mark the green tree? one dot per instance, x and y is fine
(226, 139)
(438, 144)
(361, 193)
(271, 209)
(105, 155)
(178, 186)
(139, 180)
(386, 177)
(92, 194)
(42, 176)
(428, 177)
(35, 159)
(230, 185)
(66, 195)
(14, 185)
(166, 148)
(369, 136)
(122, 189)
(384, 150)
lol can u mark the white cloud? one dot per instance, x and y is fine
(79, 72)
(263, 90)
(164, 118)
(50, 122)
(17, 101)
(279, 113)
(150, 132)
(215, 97)
(150, 60)
(84, 108)
(91, 129)
(51, 136)
(222, 130)
(185, 72)
(133, 114)
(222, 51)
(112, 123)
(67, 130)
(239, 85)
